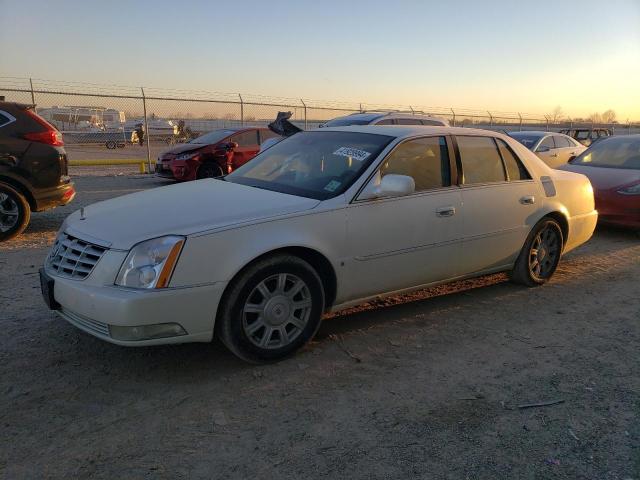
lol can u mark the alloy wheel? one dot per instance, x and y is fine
(9, 212)
(544, 253)
(277, 311)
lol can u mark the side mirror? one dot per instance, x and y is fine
(390, 186)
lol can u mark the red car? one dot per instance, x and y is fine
(613, 166)
(213, 154)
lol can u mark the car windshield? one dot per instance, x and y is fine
(212, 137)
(526, 139)
(315, 164)
(614, 152)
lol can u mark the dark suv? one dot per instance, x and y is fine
(33, 168)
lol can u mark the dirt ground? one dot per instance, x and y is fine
(424, 386)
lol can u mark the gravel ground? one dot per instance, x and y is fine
(427, 385)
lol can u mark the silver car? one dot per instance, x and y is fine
(554, 149)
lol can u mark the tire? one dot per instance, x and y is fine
(535, 265)
(209, 170)
(14, 212)
(262, 326)
(110, 144)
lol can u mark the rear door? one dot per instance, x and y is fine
(499, 196)
(9, 149)
(564, 148)
(548, 152)
(248, 147)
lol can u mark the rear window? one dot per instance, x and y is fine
(481, 162)
(614, 152)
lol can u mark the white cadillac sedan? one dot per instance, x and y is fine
(321, 220)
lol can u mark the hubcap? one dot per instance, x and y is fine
(544, 253)
(276, 311)
(8, 212)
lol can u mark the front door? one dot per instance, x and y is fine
(248, 147)
(402, 242)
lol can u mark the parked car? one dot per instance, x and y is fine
(322, 220)
(554, 149)
(613, 167)
(386, 118)
(213, 154)
(33, 168)
(586, 136)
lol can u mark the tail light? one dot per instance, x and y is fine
(50, 136)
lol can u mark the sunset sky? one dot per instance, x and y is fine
(503, 55)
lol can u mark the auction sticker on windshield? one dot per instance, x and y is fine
(354, 153)
(332, 186)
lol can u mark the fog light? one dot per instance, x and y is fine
(146, 332)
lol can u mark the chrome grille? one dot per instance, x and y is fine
(71, 257)
(92, 326)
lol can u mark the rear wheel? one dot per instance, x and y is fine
(209, 170)
(540, 255)
(271, 309)
(14, 212)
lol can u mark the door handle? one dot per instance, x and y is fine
(446, 211)
(528, 200)
(553, 155)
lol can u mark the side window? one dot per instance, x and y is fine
(582, 134)
(4, 119)
(561, 142)
(386, 121)
(433, 123)
(408, 121)
(266, 134)
(426, 160)
(515, 168)
(546, 144)
(481, 162)
(246, 139)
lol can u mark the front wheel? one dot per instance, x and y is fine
(540, 255)
(14, 212)
(209, 170)
(271, 309)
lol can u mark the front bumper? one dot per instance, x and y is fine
(618, 209)
(94, 309)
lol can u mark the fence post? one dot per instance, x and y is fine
(360, 108)
(520, 117)
(412, 110)
(241, 111)
(305, 113)
(490, 118)
(147, 133)
(454, 117)
(547, 120)
(33, 95)
(628, 127)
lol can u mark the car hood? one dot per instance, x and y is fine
(181, 209)
(185, 147)
(605, 178)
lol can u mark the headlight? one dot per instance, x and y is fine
(630, 190)
(186, 156)
(150, 263)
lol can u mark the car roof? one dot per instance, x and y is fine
(533, 132)
(402, 131)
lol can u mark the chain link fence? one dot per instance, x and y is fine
(100, 123)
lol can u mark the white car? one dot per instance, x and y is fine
(555, 149)
(386, 118)
(322, 220)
